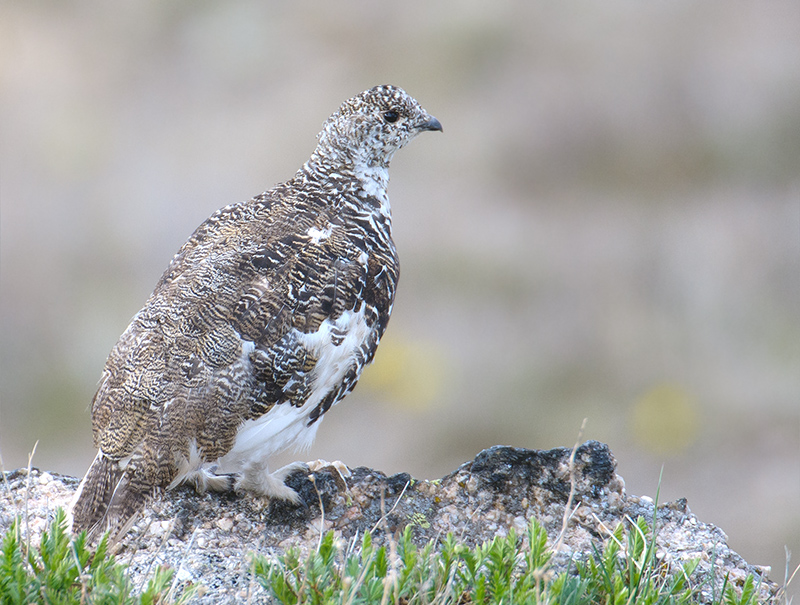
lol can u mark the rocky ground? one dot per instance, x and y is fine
(208, 538)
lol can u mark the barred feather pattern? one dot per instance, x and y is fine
(262, 322)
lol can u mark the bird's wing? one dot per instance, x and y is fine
(217, 342)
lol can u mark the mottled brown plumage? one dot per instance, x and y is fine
(263, 320)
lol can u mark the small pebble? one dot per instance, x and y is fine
(184, 575)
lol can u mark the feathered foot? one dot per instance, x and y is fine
(258, 480)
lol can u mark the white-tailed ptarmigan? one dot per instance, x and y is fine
(263, 320)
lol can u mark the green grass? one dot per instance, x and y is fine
(63, 570)
(510, 570)
(505, 570)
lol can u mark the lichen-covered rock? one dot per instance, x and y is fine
(208, 538)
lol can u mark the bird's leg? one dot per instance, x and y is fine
(205, 479)
(259, 480)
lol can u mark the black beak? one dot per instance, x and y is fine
(431, 124)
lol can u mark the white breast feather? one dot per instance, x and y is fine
(373, 183)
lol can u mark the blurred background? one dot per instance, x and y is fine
(609, 227)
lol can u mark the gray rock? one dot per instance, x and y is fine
(208, 538)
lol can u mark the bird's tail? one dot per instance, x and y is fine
(105, 500)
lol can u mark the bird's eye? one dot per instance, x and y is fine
(391, 116)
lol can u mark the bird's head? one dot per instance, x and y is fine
(368, 128)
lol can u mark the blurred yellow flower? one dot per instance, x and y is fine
(665, 420)
(410, 373)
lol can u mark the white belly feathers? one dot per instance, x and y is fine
(334, 345)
